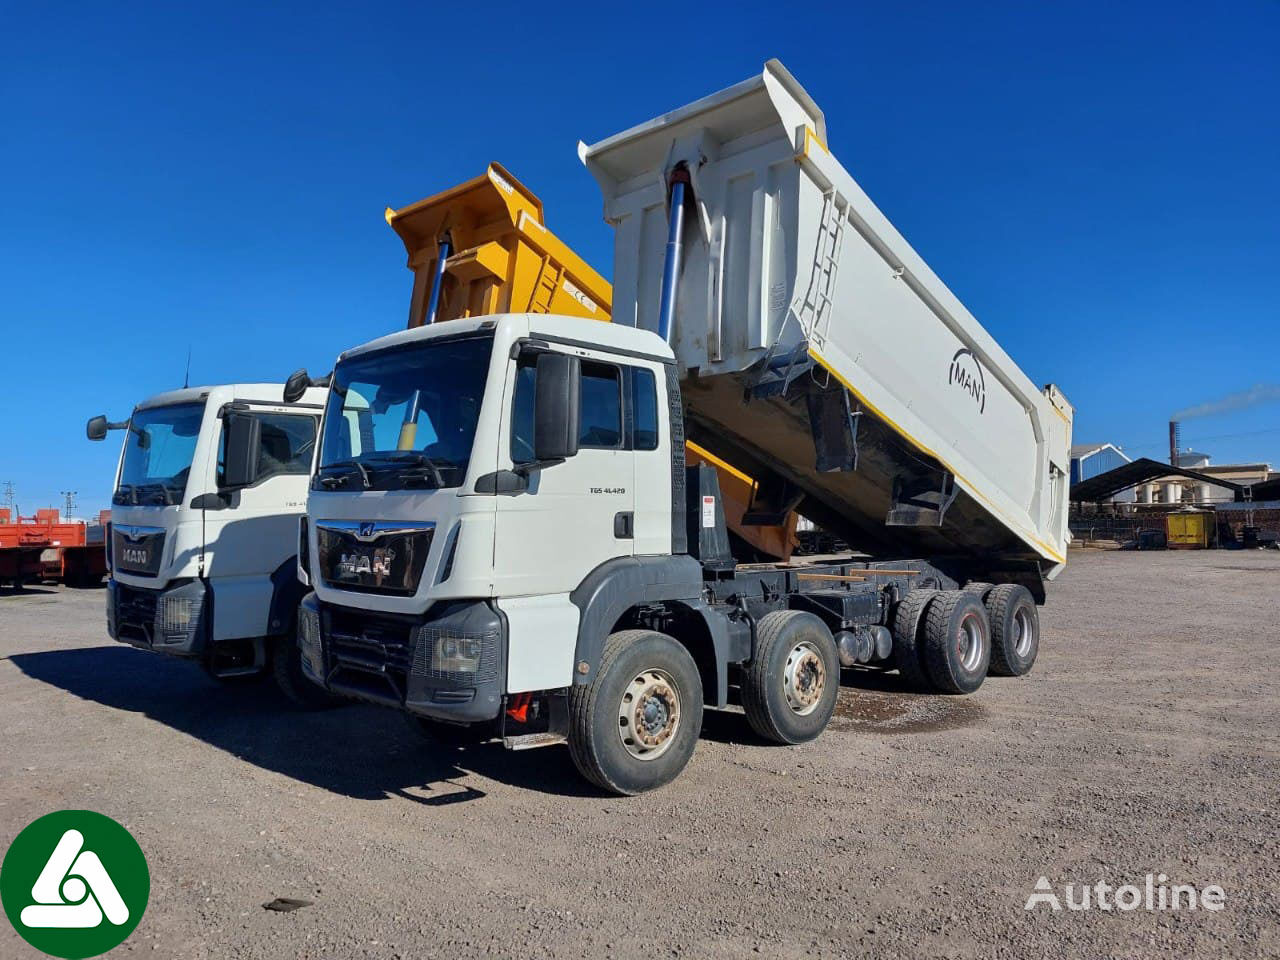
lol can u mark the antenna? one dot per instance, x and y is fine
(69, 498)
(8, 493)
(186, 377)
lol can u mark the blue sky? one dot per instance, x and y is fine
(1097, 182)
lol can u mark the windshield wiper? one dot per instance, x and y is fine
(337, 464)
(415, 465)
(160, 493)
(126, 493)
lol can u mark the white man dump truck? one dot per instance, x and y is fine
(201, 546)
(505, 540)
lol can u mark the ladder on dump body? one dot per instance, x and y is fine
(545, 288)
(815, 310)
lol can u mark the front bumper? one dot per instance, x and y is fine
(174, 620)
(449, 664)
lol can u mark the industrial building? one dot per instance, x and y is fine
(1186, 502)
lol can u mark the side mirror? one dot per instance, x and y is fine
(556, 407)
(96, 428)
(244, 436)
(296, 385)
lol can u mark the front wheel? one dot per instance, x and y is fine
(286, 669)
(789, 689)
(633, 727)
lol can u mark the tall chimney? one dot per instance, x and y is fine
(1175, 441)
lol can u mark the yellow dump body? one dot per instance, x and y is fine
(503, 259)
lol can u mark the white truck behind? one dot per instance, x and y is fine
(202, 543)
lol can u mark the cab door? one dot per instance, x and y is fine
(251, 542)
(574, 515)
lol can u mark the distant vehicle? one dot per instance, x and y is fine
(504, 539)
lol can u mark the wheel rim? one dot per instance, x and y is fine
(1023, 632)
(804, 678)
(969, 642)
(649, 714)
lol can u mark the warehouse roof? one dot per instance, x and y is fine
(1107, 485)
(1081, 450)
(1269, 490)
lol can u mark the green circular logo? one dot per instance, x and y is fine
(74, 884)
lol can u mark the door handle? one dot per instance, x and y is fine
(624, 525)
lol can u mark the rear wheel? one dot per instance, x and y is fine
(979, 587)
(957, 642)
(789, 690)
(1015, 630)
(908, 639)
(633, 727)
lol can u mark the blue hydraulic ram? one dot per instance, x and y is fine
(671, 266)
(442, 254)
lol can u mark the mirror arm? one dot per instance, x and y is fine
(524, 469)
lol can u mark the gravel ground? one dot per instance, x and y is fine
(1143, 742)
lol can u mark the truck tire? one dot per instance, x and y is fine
(634, 725)
(789, 689)
(957, 642)
(1015, 630)
(907, 638)
(286, 669)
(979, 587)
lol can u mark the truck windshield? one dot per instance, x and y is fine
(157, 454)
(404, 418)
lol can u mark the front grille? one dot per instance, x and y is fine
(369, 643)
(367, 656)
(373, 557)
(135, 612)
(137, 550)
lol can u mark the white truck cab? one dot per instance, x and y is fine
(434, 512)
(203, 538)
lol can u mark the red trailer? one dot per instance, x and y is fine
(45, 547)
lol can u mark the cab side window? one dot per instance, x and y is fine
(607, 422)
(644, 408)
(286, 445)
(601, 406)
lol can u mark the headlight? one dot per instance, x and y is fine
(309, 640)
(456, 655)
(178, 614)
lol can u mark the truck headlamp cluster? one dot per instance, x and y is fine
(456, 655)
(309, 641)
(179, 614)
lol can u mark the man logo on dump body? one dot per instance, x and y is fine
(74, 884)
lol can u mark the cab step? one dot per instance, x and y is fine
(530, 741)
